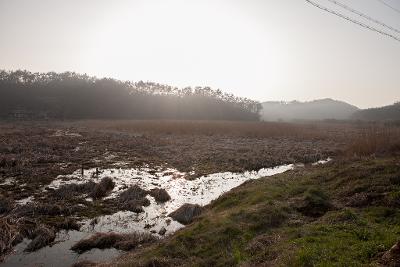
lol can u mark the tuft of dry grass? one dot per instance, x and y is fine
(43, 236)
(160, 195)
(72, 190)
(109, 240)
(9, 235)
(102, 188)
(133, 199)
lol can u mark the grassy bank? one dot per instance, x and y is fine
(340, 214)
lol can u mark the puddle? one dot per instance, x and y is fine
(58, 254)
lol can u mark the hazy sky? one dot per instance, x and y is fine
(261, 49)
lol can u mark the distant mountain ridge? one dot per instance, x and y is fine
(320, 109)
(386, 113)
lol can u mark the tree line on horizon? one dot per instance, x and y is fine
(70, 95)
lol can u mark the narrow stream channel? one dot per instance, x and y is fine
(199, 191)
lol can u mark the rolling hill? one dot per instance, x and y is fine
(386, 113)
(313, 110)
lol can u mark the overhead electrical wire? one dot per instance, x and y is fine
(389, 6)
(363, 15)
(353, 20)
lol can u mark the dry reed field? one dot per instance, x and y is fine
(33, 154)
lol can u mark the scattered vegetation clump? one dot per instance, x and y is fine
(68, 224)
(43, 236)
(392, 256)
(160, 195)
(133, 199)
(109, 240)
(315, 203)
(9, 235)
(186, 213)
(6, 205)
(70, 191)
(35, 209)
(132, 193)
(101, 189)
(135, 205)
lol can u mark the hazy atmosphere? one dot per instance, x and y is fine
(264, 50)
(163, 133)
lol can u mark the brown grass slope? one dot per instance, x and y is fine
(345, 213)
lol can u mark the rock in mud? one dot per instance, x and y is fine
(186, 213)
(43, 237)
(162, 231)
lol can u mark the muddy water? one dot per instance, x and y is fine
(58, 254)
(199, 191)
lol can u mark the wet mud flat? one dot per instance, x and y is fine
(45, 197)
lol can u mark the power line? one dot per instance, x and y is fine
(364, 15)
(353, 20)
(389, 6)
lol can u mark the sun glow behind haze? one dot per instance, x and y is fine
(261, 49)
(183, 43)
